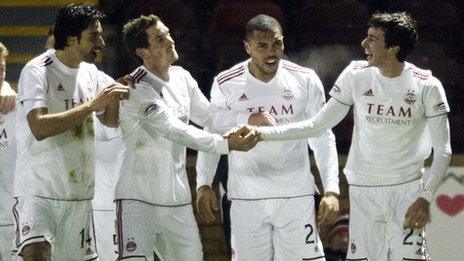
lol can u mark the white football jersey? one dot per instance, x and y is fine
(390, 141)
(107, 145)
(7, 166)
(155, 133)
(281, 168)
(62, 166)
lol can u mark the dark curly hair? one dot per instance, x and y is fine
(72, 19)
(400, 30)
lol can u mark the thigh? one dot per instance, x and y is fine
(34, 220)
(105, 234)
(406, 243)
(251, 235)
(75, 234)
(367, 226)
(136, 229)
(180, 238)
(295, 230)
(6, 242)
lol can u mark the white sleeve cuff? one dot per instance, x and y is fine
(222, 147)
(427, 195)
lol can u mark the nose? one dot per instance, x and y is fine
(101, 42)
(364, 43)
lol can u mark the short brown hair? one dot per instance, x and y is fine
(3, 50)
(135, 32)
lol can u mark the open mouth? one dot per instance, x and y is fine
(271, 61)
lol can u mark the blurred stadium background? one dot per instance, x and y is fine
(321, 34)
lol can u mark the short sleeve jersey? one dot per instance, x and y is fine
(61, 166)
(389, 141)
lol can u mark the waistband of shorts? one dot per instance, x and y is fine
(256, 199)
(154, 204)
(389, 185)
(54, 199)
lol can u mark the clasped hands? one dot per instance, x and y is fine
(244, 137)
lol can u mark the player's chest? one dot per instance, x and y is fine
(178, 100)
(394, 101)
(69, 92)
(277, 100)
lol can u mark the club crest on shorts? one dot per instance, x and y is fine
(336, 89)
(353, 247)
(25, 229)
(410, 98)
(131, 246)
(150, 109)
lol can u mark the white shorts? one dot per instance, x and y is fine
(144, 228)
(275, 229)
(105, 233)
(376, 223)
(66, 225)
(6, 243)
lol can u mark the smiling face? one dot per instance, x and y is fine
(91, 42)
(265, 48)
(374, 46)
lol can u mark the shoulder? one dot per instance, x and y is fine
(39, 64)
(139, 74)
(420, 74)
(358, 67)
(229, 74)
(295, 68)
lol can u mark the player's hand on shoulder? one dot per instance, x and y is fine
(207, 203)
(113, 93)
(329, 208)
(242, 138)
(418, 214)
(262, 119)
(7, 99)
(127, 80)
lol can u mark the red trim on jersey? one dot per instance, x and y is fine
(141, 77)
(361, 65)
(137, 73)
(290, 66)
(421, 74)
(295, 68)
(228, 73)
(231, 77)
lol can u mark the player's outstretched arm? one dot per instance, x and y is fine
(44, 125)
(7, 98)
(329, 116)
(418, 213)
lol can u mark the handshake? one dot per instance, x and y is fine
(245, 137)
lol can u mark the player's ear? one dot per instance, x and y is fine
(72, 40)
(394, 49)
(247, 46)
